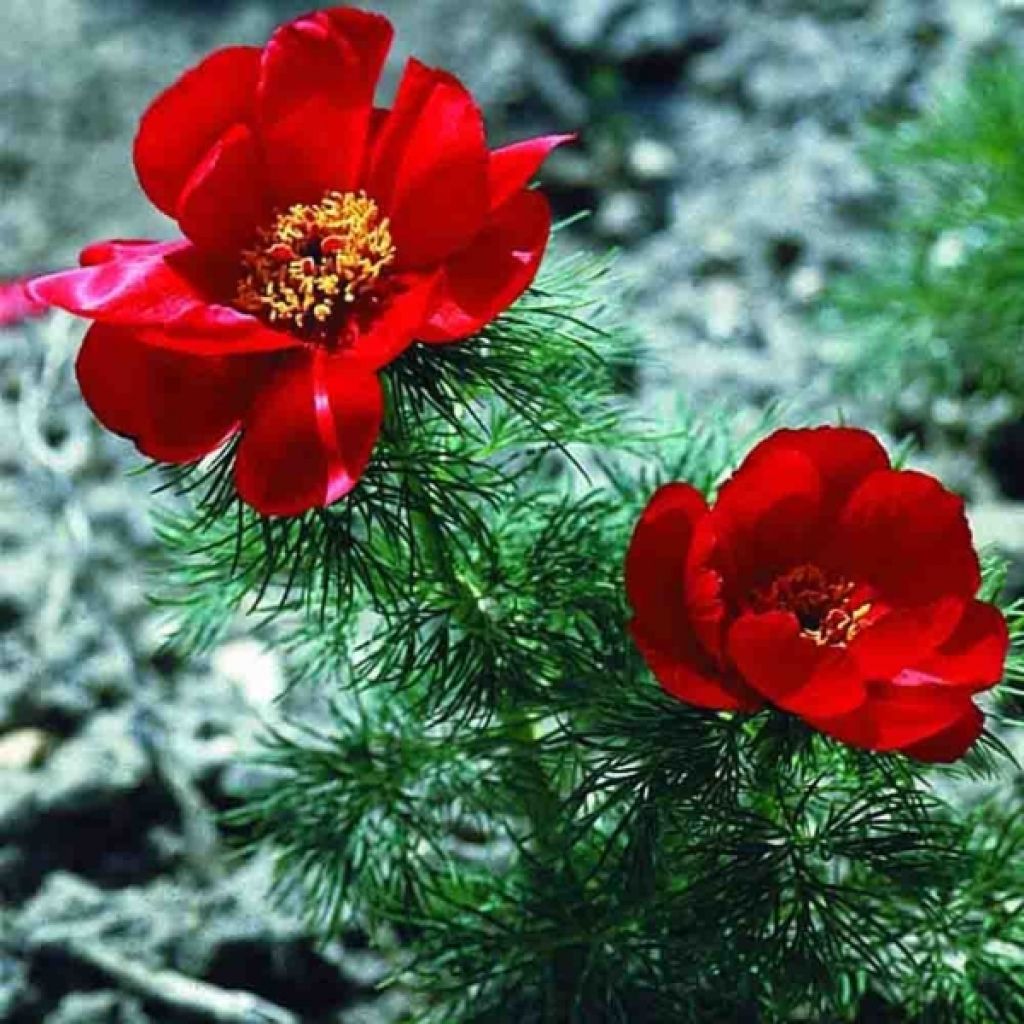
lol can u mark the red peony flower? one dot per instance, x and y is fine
(824, 583)
(322, 237)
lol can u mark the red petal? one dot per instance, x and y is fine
(484, 279)
(125, 249)
(168, 289)
(315, 102)
(225, 199)
(16, 304)
(389, 330)
(791, 670)
(904, 533)
(176, 408)
(309, 434)
(895, 716)
(136, 284)
(655, 585)
(704, 588)
(767, 519)
(429, 167)
(689, 678)
(843, 456)
(513, 167)
(183, 123)
(229, 337)
(656, 560)
(974, 656)
(951, 744)
(903, 637)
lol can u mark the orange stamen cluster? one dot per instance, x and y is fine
(315, 261)
(823, 605)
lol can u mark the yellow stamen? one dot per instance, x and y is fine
(315, 261)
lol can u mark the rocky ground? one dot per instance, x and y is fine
(719, 151)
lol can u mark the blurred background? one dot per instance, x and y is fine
(748, 158)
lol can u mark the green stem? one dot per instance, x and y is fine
(540, 803)
(540, 800)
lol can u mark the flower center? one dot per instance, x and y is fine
(826, 606)
(315, 262)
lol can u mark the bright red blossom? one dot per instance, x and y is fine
(322, 237)
(824, 583)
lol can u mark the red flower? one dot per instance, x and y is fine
(824, 583)
(322, 237)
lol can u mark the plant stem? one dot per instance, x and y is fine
(539, 801)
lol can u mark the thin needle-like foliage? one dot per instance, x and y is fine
(491, 783)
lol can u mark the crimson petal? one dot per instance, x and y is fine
(182, 123)
(656, 559)
(656, 587)
(904, 637)
(513, 167)
(895, 717)
(16, 304)
(429, 167)
(843, 457)
(175, 407)
(390, 329)
(904, 533)
(226, 199)
(316, 87)
(951, 744)
(487, 277)
(767, 519)
(165, 290)
(791, 670)
(686, 676)
(974, 656)
(309, 434)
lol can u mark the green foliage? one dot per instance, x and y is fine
(604, 853)
(939, 311)
(485, 775)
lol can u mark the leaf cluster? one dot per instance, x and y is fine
(937, 312)
(481, 772)
(557, 840)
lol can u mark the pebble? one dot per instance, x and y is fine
(24, 749)
(624, 216)
(254, 669)
(652, 160)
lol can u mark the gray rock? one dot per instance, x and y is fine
(626, 30)
(97, 1008)
(16, 673)
(577, 24)
(799, 66)
(657, 27)
(96, 769)
(626, 216)
(64, 906)
(651, 160)
(15, 987)
(18, 803)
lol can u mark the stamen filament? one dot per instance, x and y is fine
(315, 261)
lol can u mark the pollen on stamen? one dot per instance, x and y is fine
(315, 261)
